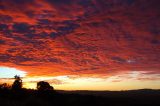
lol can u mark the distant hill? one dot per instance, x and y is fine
(114, 93)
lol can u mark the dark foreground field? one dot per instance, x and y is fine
(80, 98)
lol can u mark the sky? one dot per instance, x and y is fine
(81, 44)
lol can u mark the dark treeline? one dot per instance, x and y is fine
(45, 95)
(17, 85)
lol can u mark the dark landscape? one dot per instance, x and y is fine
(45, 95)
(144, 97)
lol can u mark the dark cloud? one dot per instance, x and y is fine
(54, 34)
(17, 1)
(118, 59)
(68, 28)
(21, 28)
(3, 27)
(19, 59)
(44, 22)
(5, 57)
(155, 41)
(60, 1)
(2, 41)
(5, 19)
(129, 2)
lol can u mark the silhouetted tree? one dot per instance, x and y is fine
(44, 86)
(17, 84)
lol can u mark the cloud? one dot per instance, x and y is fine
(2, 41)
(21, 28)
(50, 80)
(118, 59)
(84, 37)
(60, 1)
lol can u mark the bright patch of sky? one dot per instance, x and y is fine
(7, 72)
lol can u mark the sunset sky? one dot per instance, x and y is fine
(81, 44)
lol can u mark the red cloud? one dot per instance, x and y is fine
(97, 37)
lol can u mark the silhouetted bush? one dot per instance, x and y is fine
(5, 86)
(44, 86)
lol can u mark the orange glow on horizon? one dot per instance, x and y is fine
(123, 81)
(127, 81)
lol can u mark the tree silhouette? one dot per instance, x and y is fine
(44, 86)
(17, 84)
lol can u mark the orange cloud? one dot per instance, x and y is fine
(86, 38)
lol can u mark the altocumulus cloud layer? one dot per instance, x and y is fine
(84, 37)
